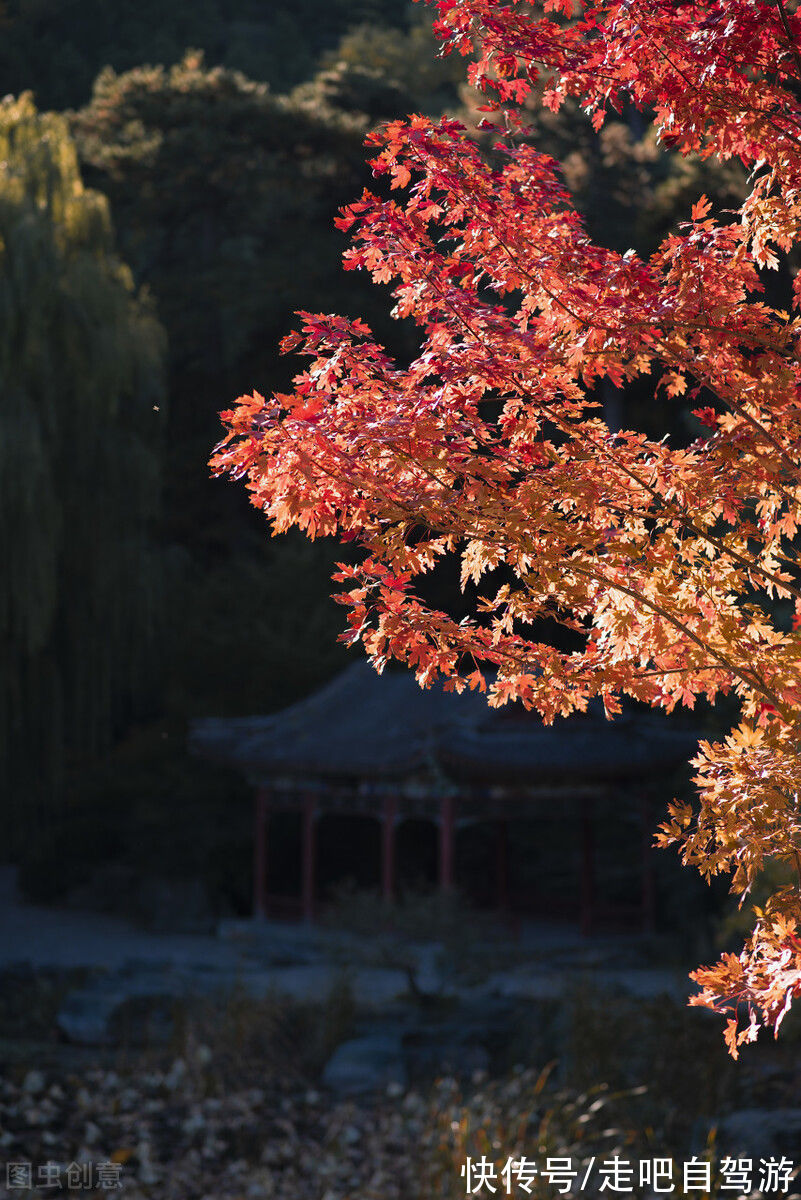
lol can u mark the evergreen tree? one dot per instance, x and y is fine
(224, 195)
(58, 46)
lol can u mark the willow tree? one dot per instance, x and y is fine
(80, 467)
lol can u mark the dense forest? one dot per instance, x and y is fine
(169, 179)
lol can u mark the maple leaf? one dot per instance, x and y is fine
(701, 208)
(707, 416)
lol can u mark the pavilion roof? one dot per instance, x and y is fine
(370, 726)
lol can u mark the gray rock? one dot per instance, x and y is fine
(372, 987)
(85, 1016)
(758, 1133)
(272, 943)
(174, 906)
(135, 1004)
(644, 983)
(366, 1064)
(539, 982)
(116, 1016)
(448, 1051)
(527, 982)
(34, 1083)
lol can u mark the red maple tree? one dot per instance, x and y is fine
(675, 568)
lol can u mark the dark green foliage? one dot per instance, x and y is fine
(258, 630)
(146, 811)
(407, 60)
(224, 196)
(80, 468)
(58, 47)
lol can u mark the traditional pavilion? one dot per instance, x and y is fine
(380, 748)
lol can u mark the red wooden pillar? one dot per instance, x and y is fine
(502, 863)
(587, 895)
(260, 818)
(647, 912)
(388, 822)
(308, 858)
(446, 839)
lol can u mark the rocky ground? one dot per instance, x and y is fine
(241, 1102)
(175, 1133)
(285, 1063)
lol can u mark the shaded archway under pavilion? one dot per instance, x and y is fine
(380, 747)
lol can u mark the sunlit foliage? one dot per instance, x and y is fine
(663, 562)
